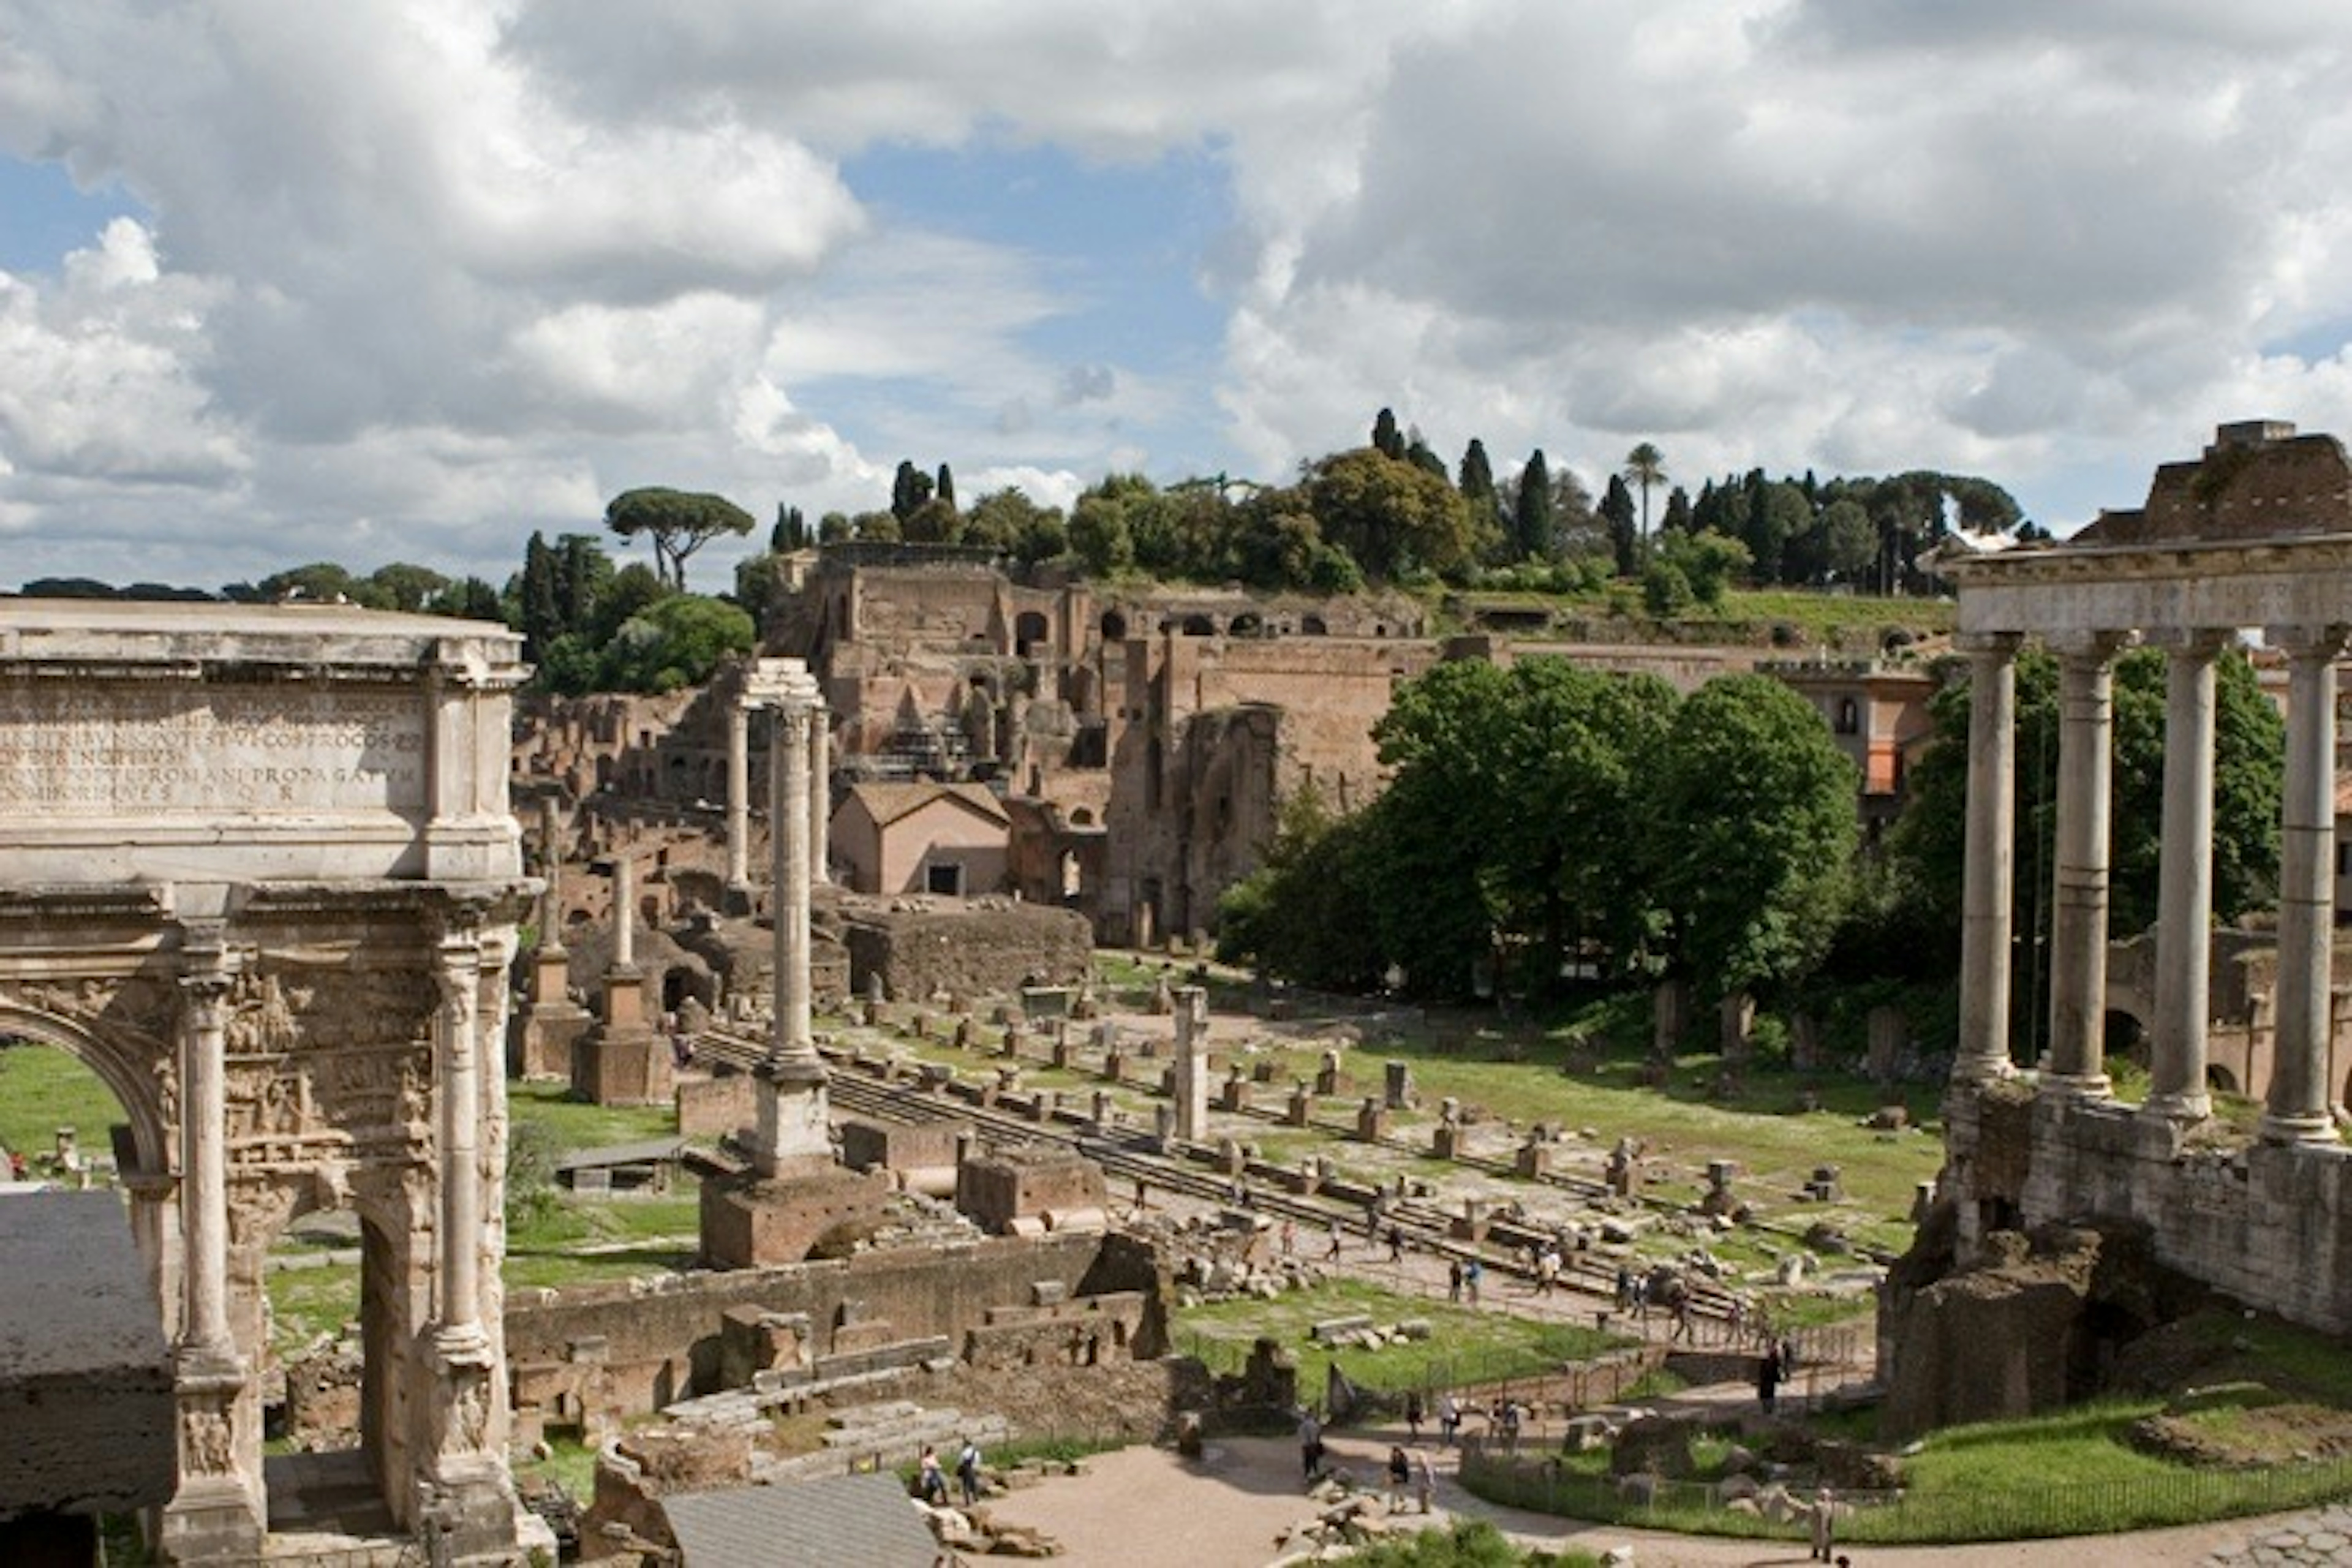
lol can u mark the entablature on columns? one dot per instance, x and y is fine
(2053, 593)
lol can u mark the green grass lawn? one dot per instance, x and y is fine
(1464, 1344)
(571, 1123)
(42, 1088)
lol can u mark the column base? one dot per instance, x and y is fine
(739, 901)
(212, 1518)
(2186, 1106)
(2077, 1086)
(470, 1506)
(1983, 1069)
(2303, 1127)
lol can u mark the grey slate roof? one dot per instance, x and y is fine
(837, 1521)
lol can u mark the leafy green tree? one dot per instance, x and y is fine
(635, 588)
(1300, 913)
(541, 618)
(1393, 518)
(1388, 440)
(1930, 843)
(1666, 590)
(909, 489)
(792, 532)
(1617, 512)
(1708, 562)
(471, 599)
(1531, 517)
(321, 582)
(1678, 519)
(678, 523)
(1778, 512)
(1476, 479)
(1645, 466)
(933, 522)
(1753, 840)
(673, 643)
(1007, 520)
(1849, 543)
(400, 585)
(1101, 535)
(584, 575)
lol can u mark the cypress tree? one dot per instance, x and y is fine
(1531, 521)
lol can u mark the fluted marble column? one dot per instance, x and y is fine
(791, 1097)
(1989, 877)
(2296, 1110)
(2184, 936)
(2078, 926)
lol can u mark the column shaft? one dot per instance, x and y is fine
(1987, 884)
(2185, 885)
(739, 794)
(203, 1163)
(820, 793)
(789, 762)
(2078, 929)
(460, 1162)
(2296, 1107)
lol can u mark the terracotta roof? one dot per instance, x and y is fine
(886, 802)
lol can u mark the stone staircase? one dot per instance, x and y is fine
(886, 1434)
(325, 1511)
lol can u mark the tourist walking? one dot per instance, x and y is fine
(1396, 1244)
(1472, 1272)
(1413, 1413)
(1331, 1253)
(1311, 1444)
(1453, 1279)
(1400, 1473)
(1289, 1237)
(1824, 1523)
(968, 1472)
(932, 1481)
(1767, 1379)
(1449, 1418)
(1425, 1477)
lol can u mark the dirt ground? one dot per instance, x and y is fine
(1147, 1507)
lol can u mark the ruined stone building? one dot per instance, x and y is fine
(2255, 533)
(258, 874)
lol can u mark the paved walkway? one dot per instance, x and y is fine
(1149, 1508)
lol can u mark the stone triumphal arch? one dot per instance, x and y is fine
(257, 870)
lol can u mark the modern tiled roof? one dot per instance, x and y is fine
(886, 802)
(837, 1521)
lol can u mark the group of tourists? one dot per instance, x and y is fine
(932, 1481)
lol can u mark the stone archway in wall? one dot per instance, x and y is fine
(257, 872)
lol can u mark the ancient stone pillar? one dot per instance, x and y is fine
(1191, 1064)
(2297, 1109)
(2078, 923)
(212, 1516)
(820, 793)
(460, 1157)
(1987, 889)
(2185, 882)
(203, 1160)
(624, 912)
(792, 1094)
(739, 801)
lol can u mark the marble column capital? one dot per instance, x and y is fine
(2095, 647)
(1987, 645)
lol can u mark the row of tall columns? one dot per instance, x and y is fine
(817, 746)
(2296, 1107)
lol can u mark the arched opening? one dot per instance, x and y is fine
(2126, 1038)
(1200, 626)
(1114, 626)
(1029, 632)
(2220, 1079)
(339, 1334)
(1247, 625)
(1313, 626)
(1082, 816)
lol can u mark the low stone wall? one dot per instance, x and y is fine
(638, 1345)
(2270, 1226)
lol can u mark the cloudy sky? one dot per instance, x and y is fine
(282, 281)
